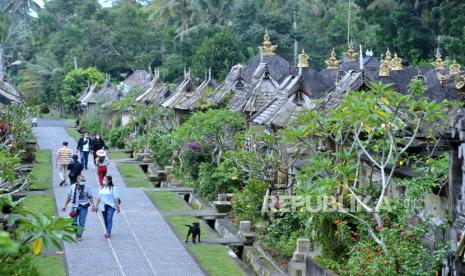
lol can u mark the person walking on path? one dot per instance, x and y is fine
(98, 144)
(80, 195)
(63, 158)
(102, 162)
(84, 147)
(108, 201)
(75, 168)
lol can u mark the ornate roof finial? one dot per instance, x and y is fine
(351, 55)
(303, 60)
(267, 48)
(388, 57)
(438, 63)
(332, 62)
(384, 69)
(396, 63)
(454, 69)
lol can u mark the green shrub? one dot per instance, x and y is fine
(116, 120)
(117, 137)
(282, 233)
(248, 203)
(92, 123)
(19, 266)
(44, 108)
(161, 147)
(217, 180)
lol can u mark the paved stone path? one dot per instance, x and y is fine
(142, 242)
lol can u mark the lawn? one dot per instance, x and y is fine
(49, 265)
(133, 175)
(74, 133)
(42, 171)
(179, 224)
(167, 201)
(211, 255)
(42, 203)
(118, 155)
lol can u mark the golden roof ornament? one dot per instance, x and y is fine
(454, 69)
(460, 82)
(303, 60)
(384, 69)
(438, 63)
(332, 62)
(351, 55)
(267, 48)
(396, 63)
(388, 57)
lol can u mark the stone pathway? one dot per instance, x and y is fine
(142, 242)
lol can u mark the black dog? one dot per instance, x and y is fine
(194, 229)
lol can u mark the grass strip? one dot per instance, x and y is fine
(133, 175)
(40, 203)
(215, 259)
(49, 265)
(73, 133)
(117, 155)
(167, 201)
(42, 171)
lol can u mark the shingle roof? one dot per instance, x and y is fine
(107, 94)
(295, 99)
(10, 93)
(189, 101)
(154, 93)
(139, 79)
(186, 87)
(266, 90)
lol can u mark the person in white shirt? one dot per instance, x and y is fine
(108, 201)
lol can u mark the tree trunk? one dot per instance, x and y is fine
(183, 19)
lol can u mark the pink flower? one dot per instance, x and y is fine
(413, 236)
(403, 232)
(378, 227)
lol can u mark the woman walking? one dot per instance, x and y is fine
(108, 202)
(102, 162)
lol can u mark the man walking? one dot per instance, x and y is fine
(63, 158)
(75, 168)
(84, 146)
(80, 196)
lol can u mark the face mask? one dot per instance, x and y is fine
(83, 182)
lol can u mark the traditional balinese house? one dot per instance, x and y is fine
(262, 78)
(233, 85)
(296, 97)
(156, 92)
(94, 100)
(185, 89)
(191, 101)
(140, 79)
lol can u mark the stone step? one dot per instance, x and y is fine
(260, 264)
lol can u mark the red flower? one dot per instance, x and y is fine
(413, 236)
